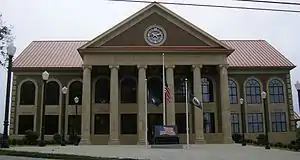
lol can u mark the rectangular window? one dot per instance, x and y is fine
(278, 122)
(209, 122)
(51, 124)
(128, 124)
(26, 123)
(74, 124)
(101, 125)
(255, 122)
(235, 123)
(180, 119)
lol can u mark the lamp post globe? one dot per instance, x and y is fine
(64, 90)
(76, 100)
(263, 95)
(241, 100)
(297, 85)
(11, 50)
(45, 75)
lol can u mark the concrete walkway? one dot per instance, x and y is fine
(194, 152)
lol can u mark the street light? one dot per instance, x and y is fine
(45, 76)
(243, 121)
(11, 50)
(76, 100)
(264, 96)
(64, 90)
(297, 85)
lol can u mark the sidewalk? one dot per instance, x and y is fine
(195, 152)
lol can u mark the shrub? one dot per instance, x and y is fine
(31, 137)
(20, 142)
(237, 138)
(13, 142)
(293, 142)
(52, 142)
(290, 146)
(74, 139)
(279, 144)
(261, 139)
(57, 138)
(285, 146)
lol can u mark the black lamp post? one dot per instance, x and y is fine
(264, 97)
(45, 76)
(76, 139)
(76, 100)
(297, 85)
(11, 50)
(64, 90)
(243, 121)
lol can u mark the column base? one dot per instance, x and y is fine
(114, 142)
(200, 141)
(228, 140)
(85, 141)
(142, 142)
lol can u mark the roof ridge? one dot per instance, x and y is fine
(242, 40)
(61, 40)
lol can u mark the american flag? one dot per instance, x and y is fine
(167, 93)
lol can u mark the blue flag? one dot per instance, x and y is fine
(152, 99)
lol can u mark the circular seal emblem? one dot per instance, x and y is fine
(155, 35)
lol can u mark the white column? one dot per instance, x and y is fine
(114, 105)
(226, 126)
(170, 107)
(198, 120)
(141, 103)
(86, 105)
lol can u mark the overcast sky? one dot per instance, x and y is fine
(85, 19)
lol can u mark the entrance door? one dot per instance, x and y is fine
(153, 119)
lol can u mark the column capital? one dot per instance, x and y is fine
(114, 66)
(170, 66)
(223, 66)
(142, 66)
(197, 66)
(86, 67)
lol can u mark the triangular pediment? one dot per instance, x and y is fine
(131, 31)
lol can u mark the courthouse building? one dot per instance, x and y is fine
(108, 75)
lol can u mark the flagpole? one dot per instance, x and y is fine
(164, 89)
(187, 113)
(146, 114)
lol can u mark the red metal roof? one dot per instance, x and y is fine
(64, 54)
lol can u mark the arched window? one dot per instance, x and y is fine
(52, 93)
(232, 88)
(276, 91)
(75, 90)
(207, 90)
(128, 90)
(27, 93)
(253, 92)
(154, 85)
(102, 90)
(180, 89)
